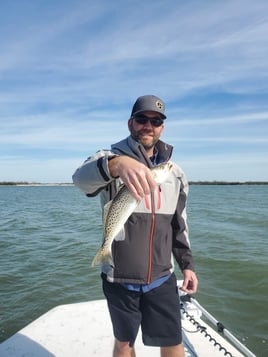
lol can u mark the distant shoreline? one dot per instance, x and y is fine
(228, 182)
(11, 183)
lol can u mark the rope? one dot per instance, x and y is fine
(202, 330)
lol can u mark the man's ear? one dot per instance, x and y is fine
(129, 123)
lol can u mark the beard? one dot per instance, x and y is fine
(145, 137)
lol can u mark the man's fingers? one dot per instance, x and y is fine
(135, 175)
(138, 194)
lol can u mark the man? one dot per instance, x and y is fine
(141, 286)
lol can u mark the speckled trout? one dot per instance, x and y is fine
(116, 213)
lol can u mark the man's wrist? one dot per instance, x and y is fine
(112, 165)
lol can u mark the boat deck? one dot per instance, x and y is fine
(84, 329)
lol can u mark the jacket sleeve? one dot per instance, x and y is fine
(93, 176)
(181, 244)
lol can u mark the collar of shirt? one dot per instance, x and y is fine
(155, 158)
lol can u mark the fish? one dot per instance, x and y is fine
(117, 211)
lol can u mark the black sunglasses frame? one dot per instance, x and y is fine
(142, 119)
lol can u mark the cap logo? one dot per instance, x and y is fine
(159, 105)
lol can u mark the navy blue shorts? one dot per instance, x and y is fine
(156, 311)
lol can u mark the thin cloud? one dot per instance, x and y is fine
(70, 73)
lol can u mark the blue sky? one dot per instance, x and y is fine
(70, 71)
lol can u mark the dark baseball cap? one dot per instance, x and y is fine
(148, 103)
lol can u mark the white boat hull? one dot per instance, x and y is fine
(84, 330)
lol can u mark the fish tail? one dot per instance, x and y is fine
(103, 257)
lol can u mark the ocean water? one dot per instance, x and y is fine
(49, 235)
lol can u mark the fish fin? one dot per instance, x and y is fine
(103, 257)
(120, 235)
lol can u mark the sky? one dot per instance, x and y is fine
(71, 70)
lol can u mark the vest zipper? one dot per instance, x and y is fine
(149, 275)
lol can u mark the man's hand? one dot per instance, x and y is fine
(190, 282)
(135, 175)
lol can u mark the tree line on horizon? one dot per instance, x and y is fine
(16, 183)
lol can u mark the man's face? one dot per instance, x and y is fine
(147, 132)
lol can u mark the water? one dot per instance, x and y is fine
(49, 235)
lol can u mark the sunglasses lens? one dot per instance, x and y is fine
(141, 120)
(156, 122)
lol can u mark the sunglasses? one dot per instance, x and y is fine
(156, 122)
